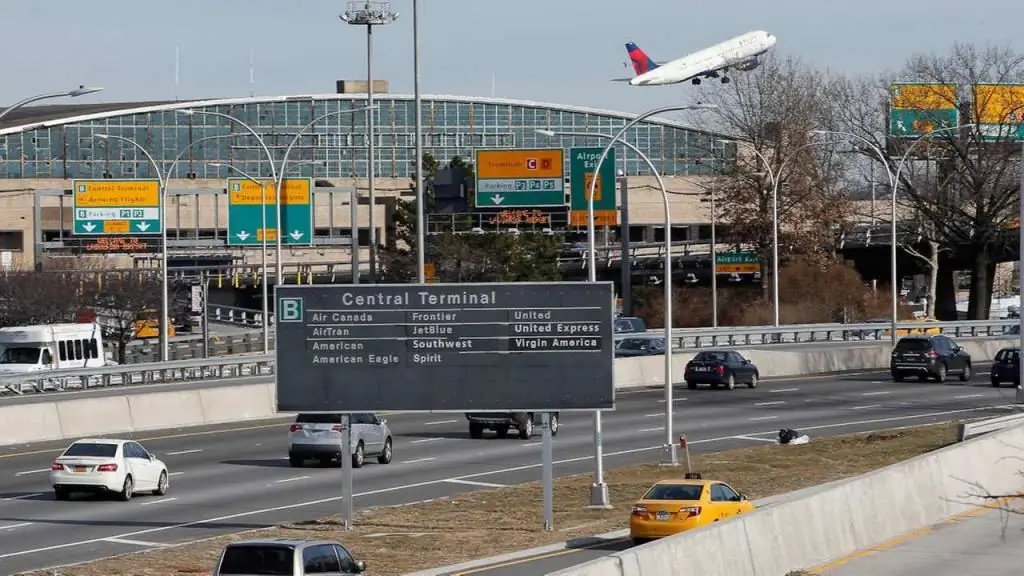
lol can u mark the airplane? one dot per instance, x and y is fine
(739, 53)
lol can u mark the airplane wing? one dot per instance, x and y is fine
(621, 79)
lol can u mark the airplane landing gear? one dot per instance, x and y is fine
(695, 81)
(725, 80)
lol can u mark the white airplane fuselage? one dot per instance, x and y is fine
(739, 53)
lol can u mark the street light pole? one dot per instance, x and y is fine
(80, 91)
(714, 246)
(370, 14)
(421, 236)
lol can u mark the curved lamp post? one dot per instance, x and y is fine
(80, 91)
(670, 446)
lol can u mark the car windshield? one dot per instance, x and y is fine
(914, 345)
(20, 355)
(674, 492)
(636, 344)
(319, 419)
(91, 449)
(264, 560)
(710, 357)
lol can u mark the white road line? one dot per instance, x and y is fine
(654, 414)
(658, 429)
(763, 418)
(878, 393)
(21, 497)
(662, 400)
(783, 390)
(115, 540)
(966, 396)
(332, 499)
(475, 483)
(532, 444)
(27, 472)
(179, 452)
(745, 437)
(876, 382)
(422, 440)
(769, 403)
(282, 481)
(13, 526)
(866, 407)
(417, 460)
(151, 502)
(175, 473)
(435, 423)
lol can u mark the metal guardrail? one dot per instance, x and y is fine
(236, 316)
(968, 430)
(148, 351)
(137, 374)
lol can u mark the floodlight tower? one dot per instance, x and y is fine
(369, 14)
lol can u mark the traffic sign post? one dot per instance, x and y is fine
(117, 207)
(520, 178)
(246, 220)
(582, 162)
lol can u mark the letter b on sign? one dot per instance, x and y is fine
(289, 310)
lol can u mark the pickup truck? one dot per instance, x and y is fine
(502, 422)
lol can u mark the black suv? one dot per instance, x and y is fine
(501, 422)
(929, 357)
(1006, 367)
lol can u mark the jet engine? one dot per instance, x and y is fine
(749, 65)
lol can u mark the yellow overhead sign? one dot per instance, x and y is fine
(540, 163)
(999, 103)
(923, 96)
(294, 191)
(116, 193)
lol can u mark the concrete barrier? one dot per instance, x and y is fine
(75, 417)
(812, 527)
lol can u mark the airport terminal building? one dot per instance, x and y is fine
(47, 147)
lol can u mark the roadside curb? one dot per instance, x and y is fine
(522, 554)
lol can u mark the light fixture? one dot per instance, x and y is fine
(84, 90)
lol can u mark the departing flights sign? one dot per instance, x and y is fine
(445, 347)
(116, 207)
(520, 178)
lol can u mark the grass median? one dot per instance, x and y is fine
(403, 539)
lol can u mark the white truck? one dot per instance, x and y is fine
(25, 349)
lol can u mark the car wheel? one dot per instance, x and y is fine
(554, 424)
(526, 430)
(476, 430)
(753, 381)
(161, 484)
(965, 374)
(61, 493)
(385, 455)
(730, 384)
(127, 490)
(359, 456)
(995, 383)
(940, 373)
(501, 431)
(295, 461)
(691, 385)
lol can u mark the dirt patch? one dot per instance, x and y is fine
(402, 539)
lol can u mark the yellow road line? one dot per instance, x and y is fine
(538, 557)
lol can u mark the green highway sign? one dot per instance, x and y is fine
(916, 109)
(246, 218)
(515, 178)
(116, 207)
(737, 263)
(582, 162)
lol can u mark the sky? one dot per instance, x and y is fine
(557, 51)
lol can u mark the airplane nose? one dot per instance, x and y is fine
(771, 39)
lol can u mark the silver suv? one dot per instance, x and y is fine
(318, 437)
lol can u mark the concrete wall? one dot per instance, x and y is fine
(83, 414)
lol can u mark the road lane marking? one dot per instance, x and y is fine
(658, 429)
(662, 400)
(866, 407)
(282, 481)
(27, 472)
(966, 396)
(878, 393)
(13, 526)
(783, 390)
(417, 460)
(747, 437)
(654, 414)
(777, 402)
(307, 504)
(179, 452)
(175, 473)
(476, 483)
(21, 497)
(151, 502)
(422, 440)
(532, 444)
(436, 422)
(763, 418)
(144, 544)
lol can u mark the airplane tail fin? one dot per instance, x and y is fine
(642, 63)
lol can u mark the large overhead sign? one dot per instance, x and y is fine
(116, 207)
(445, 347)
(520, 178)
(916, 109)
(1000, 111)
(252, 220)
(582, 164)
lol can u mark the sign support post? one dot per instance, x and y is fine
(348, 509)
(547, 473)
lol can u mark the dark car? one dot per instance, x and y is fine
(640, 346)
(502, 422)
(1006, 367)
(929, 356)
(720, 368)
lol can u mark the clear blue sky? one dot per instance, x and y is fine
(561, 51)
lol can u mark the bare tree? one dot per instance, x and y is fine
(971, 209)
(773, 110)
(29, 298)
(122, 298)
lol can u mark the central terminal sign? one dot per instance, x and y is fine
(445, 347)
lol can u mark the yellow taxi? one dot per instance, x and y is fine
(673, 506)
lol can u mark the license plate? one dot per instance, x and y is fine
(663, 516)
(80, 468)
(702, 369)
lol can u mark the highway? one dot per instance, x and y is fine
(233, 478)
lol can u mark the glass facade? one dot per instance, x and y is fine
(336, 146)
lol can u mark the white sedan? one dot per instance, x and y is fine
(104, 465)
